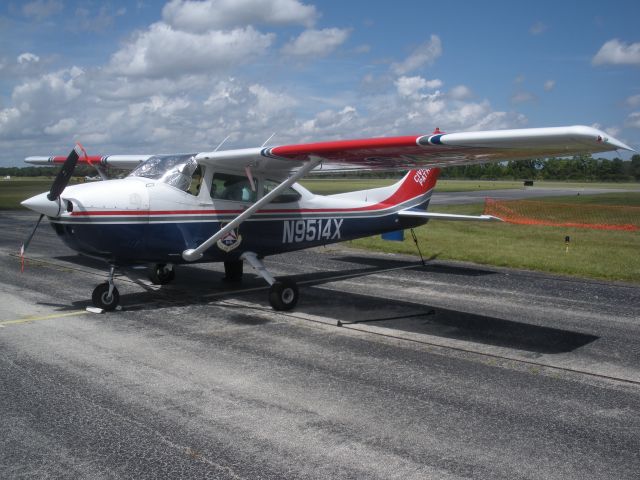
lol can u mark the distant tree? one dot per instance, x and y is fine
(634, 167)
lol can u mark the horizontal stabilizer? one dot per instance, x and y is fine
(448, 216)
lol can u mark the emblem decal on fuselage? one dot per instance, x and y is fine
(230, 241)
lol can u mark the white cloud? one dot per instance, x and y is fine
(549, 85)
(613, 131)
(171, 116)
(329, 123)
(164, 52)
(37, 103)
(523, 97)
(65, 125)
(537, 28)
(9, 117)
(460, 92)
(425, 54)
(409, 86)
(615, 52)
(41, 9)
(269, 103)
(159, 105)
(28, 57)
(633, 101)
(633, 120)
(435, 83)
(166, 89)
(202, 16)
(316, 43)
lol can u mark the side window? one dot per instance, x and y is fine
(196, 181)
(288, 196)
(232, 187)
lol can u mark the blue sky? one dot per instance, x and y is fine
(153, 77)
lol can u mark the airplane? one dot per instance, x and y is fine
(241, 205)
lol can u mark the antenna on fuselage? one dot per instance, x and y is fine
(220, 144)
(267, 140)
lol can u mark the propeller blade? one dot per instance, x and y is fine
(64, 175)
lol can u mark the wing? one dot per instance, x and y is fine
(425, 151)
(125, 162)
(391, 153)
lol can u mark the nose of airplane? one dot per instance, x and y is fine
(41, 204)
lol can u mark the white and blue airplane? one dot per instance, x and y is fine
(237, 206)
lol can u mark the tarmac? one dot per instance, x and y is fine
(386, 369)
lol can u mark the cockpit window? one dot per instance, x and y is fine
(232, 187)
(174, 170)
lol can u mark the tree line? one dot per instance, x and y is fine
(579, 167)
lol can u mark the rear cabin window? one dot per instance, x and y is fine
(289, 195)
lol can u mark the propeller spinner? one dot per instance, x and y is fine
(49, 203)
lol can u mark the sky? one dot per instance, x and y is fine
(181, 76)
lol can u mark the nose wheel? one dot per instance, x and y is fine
(106, 295)
(161, 273)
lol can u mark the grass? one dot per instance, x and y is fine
(628, 199)
(13, 191)
(610, 255)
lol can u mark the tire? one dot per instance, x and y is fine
(101, 299)
(283, 295)
(160, 274)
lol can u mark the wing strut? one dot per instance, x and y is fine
(193, 254)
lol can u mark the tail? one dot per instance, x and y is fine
(412, 191)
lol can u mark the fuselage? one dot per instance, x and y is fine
(138, 220)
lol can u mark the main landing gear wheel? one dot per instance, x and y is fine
(161, 274)
(102, 299)
(283, 295)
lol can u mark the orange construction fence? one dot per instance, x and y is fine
(579, 215)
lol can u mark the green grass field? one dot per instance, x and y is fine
(603, 254)
(13, 191)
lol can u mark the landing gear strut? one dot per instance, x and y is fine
(161, 273)
(283, 294)
(106, 295)
(233, 271)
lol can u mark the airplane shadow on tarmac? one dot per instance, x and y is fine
(195, 285)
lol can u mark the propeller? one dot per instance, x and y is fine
(57, 187)
(64, 175)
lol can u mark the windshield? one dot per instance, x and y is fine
(174, 170)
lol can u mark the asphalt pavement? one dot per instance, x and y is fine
(386, 369)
